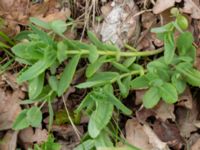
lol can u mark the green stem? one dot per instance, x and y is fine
(130, 48)
(116, 53)
(135, 72)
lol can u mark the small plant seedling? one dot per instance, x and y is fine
(164, 78)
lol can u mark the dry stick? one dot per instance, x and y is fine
(71, 121)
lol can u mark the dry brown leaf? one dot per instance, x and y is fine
(138, 96)
(136, 136)
(147, 19)
(169, 133)
(9, 108)
(164, 111)
(191, 8)
(28, 137)
(69, 137)
(196, 145)
(162, 5)
(154, 140)
(9, 141)
(120, 25)
(186, 99)
(10, 79)
(61, 15)
(4, 4)
(143, 115)
(106, 9)
(186, 119)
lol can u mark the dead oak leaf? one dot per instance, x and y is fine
(196, 145)
(9, 108)
(135, 135)
(164, 111)
(28, 137)
(162, 5)
(187, 119)
(120, 25)
(185, 99)
(169, 133)
(142, 136)
(9, 141)
(191, 8)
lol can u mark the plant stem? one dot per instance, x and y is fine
(135, 72)
(116, 53)
(130, 48)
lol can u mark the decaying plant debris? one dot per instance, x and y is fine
(99, 74)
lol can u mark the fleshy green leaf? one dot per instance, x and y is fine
(93, 55)
(21, 121)
(58, 26)
(139, 83)
(35, 86)
(184, 42)
(34, 116)
(103, 140)
(95, 40)
(178, 82)
(86, 145)
(191, 75)
(120, 67)
(129, 61)
(151, 97)
(123, 89)
(61, 51)
(67, 75)
(39, 67)
(40, 23)
(166, 28)
(115, 101)
(169, 47)
(92, 68)
(53, 82)
(100, 118)
(98, 79)
(168, 93)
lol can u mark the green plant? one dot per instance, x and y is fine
(7, 57)
(168, 76)
(48, 145)
(42, 54)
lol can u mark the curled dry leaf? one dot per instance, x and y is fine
(68, 134)
(144, 114)
(9, 108)
(10, 79)
(120, 25)
(162, 5)
(164, 111)
(193, 139)
(192, 8)
(136, 136)
(196, 145)
(143, 136)
(169, 133)
(28, 137)
(186, 99)
(138, 96)
(9, 141)
(154, 140)
(17, 12)
(187, 119)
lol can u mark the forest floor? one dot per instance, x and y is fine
(127, 24)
